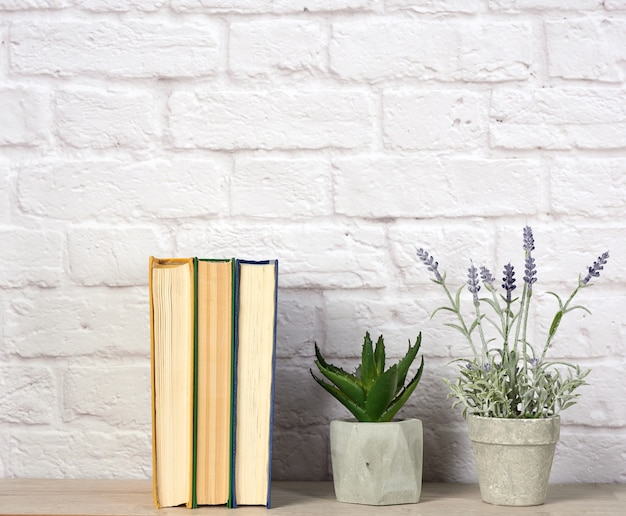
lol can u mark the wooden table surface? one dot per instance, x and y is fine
(134, 497)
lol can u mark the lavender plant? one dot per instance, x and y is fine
(513, 380)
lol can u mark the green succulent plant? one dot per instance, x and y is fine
(371, 393)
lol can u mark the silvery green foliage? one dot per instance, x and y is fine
(514, 379)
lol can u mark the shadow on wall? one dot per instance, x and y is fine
(303, 411)
(301, 416)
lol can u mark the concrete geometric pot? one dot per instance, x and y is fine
(377, 463)
(513, 457)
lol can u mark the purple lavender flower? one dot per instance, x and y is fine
(486, 276)
(469, 366)
(529, 240)
(509, 281)
(533, 362)
(530, 271)
(472, 282)
(486, 367)
(594, 270)
(430, 263)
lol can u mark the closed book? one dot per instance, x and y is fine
(256, 287)
(171, 291)
(214, 338)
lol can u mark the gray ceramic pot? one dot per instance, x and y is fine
(513, 457)
(377, 463)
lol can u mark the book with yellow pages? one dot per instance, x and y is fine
(171, 286)
(214, 338)
(255, 344)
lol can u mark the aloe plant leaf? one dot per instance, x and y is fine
(409, 358)
(397, 403)
(345, 382)
(368, 368)
(356, 411)
(379, 356)
(381, 393)
(333, 368)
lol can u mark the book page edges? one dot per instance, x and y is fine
(168, 262)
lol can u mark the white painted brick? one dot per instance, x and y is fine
(449, 454)
(331, 256)
(597, 406)
(495, 52)
(275, 46)
(101, 120)
(347, 316)
(580, 334)
(270, 119)
(119, 5)
(299, 188)
(452, 245)
(558, 118)
(110, 323)
(381, 186)
(294, 388)
(80, 454)
(31, 257)
(374, 49)
(558, 5)
(261, 6)
(301, 455)
(5, 449)
(129, 49)
(298, 318)
(24, 116)
(615, 5)
(118, 396)
(434, 120)
(563, 251)
(429, 401)
(6, 187)
(587, 48)
(390, 48)
(588, 187)
(113, 190)
(581, 455)
(27, 395)
(434, 6)
(113, 256)
(14, 5)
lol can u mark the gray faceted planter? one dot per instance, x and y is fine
(513, 458)
(377, 463)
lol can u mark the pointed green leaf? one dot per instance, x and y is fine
(345, 382)
(496, 307)
(402, 398)
(409, 358)
(331, 367)
(379, 356)
(357, 411)
(368, 368)
(555, 323)
(382, 392)
(457, 298)
(577, 307)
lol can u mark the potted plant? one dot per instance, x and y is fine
(375, 460)
(511, 393)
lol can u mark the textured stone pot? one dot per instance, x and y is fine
(513, 458)
(377, 463)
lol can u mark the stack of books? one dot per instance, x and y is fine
(213, 342)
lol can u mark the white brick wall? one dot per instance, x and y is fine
(335, 135)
